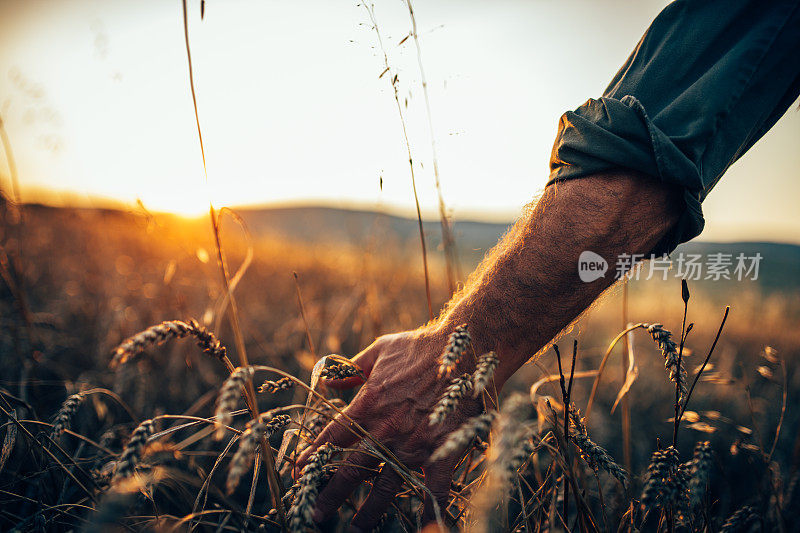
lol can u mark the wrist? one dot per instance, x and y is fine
(485, 336)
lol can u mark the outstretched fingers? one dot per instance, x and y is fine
(358, 467)
(437, 479)
(384, 489)
(339, 432)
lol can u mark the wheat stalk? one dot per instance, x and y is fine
(449, 401)
(228, 396)
(276, 386)
(132, 454)
(477, 426)
(63, 417)
(300, 515)
(667, 481)
(257, 430)
(160, 333)
(456, 346)
(675, 367)
(739, 519)
(513, 443)
(699, 469)
(487, 363)
(595, 455)
(340, 371)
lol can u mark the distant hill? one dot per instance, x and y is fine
(779, 266)
(314, 225)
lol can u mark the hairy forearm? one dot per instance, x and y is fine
(528, 289)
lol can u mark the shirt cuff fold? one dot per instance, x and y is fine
(606, 134)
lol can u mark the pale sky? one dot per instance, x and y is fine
(96, 103)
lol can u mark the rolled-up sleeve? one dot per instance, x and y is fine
(705, 82)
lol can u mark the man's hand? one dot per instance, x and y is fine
(522, 295)
(393, 406)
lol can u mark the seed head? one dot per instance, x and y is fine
(456, 346)
(595, 455)
(160, 333)
(478, 426)
(340, 371)
(228, 396)
(513, 444)
(699, 468)
(63, 417)
(484, 372)
(132, 454)
(449, 400)
(667, 481)
(739, 519)
(669, 350)
(276, 386)
(300, 515)
(242, 460)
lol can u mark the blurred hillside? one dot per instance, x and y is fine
(779, 267)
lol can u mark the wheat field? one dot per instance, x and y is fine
(124, 406)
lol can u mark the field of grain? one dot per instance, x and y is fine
(77, 283)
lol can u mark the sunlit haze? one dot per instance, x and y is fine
(95, 99)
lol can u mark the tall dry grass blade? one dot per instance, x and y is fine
(630, 373)
(272, 476)
(630, 376)
(393, 80)
(448, 238)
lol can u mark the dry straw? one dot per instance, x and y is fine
(132, 454)
(449, 400)
(242, 460)
(158, 334)
(228, 396)
(63, 418)
(456, 346)
(478, 426)
(487, 363)
(300, 515)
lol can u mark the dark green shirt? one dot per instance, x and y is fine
(706, 81)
